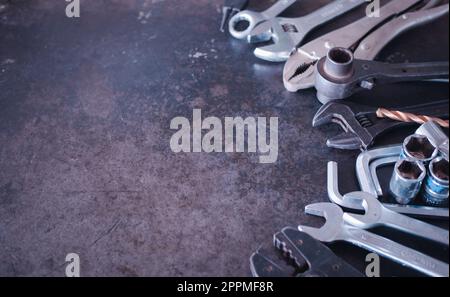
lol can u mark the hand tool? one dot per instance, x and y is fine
(362, 126)
(300, 247)
(436, 184)
(376, 214)
(229, 9)
(254, 18)
(406, 180)
(374, 168)
(414, 210)
(336, 229)
(369, 48)
(436, 136)
(410, 117)
(287, 33)
(299, 69)
(339, 75)
(418, 147)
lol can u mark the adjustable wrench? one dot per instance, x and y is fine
(376, 214)
(300, 247)
(414, 210)
(361, 124)
(336, 229)
(254, 18)
(288, 33)
(299, 69)
(339, 75)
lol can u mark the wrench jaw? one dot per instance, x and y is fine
(331, 230)
(299, 72)
(372, 207)
(261, 33)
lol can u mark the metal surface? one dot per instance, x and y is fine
(85, 108)
(300, 68)
(336, 229)
(437, 137)
(254, 18)
(377, 215)
(349, 76)
(362, 126)
(288, 33)
(369, 48)
(414, 210)
(418, 147)
(299, 247)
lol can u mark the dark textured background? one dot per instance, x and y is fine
(85, 162)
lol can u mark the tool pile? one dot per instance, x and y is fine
(340, 64)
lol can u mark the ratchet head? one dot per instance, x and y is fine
(373, 210)
(298, 72)
(333, 215)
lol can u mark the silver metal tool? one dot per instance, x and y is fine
(414, 210)
(369, 48)
(336, 229)
(418, 147)
(378, 215)
(339, 75)
(436, 136)
(229, 9)
(382, 162)
(406, 180)
(253, 18)
(299, 69)
(436, 185)
(288, 33)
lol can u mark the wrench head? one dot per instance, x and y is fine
(299, 71)
(332, 228)
(356, 135)
(261, 33)
(372, 207)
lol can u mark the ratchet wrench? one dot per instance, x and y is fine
(254, 18)
(299, 69)
(288, 33)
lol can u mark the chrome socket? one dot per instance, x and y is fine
(435, 192)
(407, 180)
(419, 148)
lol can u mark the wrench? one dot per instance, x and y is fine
(300, 247)
(362, 126)
(299, 69)
(373, 171)
(336, 229)
(339, 75)
(254, 18)
(287, 33)
(378, 215)
(415, 210)
(369, 48)
(436, 136)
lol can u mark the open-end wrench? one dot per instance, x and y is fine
(339, 75)
(369, 48)
(362, 126)
(336, 229)
(299, 69)
(300, 247)
(254, 18)
(413, 210)
(376, 214)
(288, 33)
